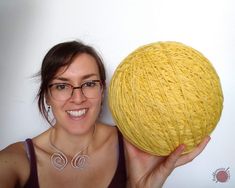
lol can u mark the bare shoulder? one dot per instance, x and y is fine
(106, 133)
(13, 154)
(14, 164)
(107, 130)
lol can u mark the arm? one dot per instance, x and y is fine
(13, 166)
(145, 170)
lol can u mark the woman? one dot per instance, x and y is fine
(79, 151)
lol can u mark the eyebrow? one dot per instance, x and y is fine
(82, 78)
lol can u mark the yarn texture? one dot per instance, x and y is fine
(164, 94)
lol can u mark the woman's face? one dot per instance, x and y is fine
(78, 113)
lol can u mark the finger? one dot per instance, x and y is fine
(190, 156)
(173, 157)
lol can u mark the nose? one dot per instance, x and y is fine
(78, 96)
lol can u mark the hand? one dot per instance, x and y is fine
(149, 171)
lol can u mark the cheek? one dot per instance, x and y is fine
(57, 108)
(98, 103)
(54, 111)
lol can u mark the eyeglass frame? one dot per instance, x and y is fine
(73, 88)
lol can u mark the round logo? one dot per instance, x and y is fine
(221, 175)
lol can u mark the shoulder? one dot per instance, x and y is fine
(106, 130)
(14, 163)
(13, 154)
(106, 134)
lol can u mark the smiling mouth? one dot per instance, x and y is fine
(77, 113)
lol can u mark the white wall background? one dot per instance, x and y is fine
(28, 28)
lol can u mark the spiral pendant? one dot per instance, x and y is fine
(79, 161)
(59, 160)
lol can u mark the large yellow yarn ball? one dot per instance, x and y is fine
(164, 94)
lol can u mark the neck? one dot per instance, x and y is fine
(70, 144)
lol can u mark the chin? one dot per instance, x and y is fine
(79, 128)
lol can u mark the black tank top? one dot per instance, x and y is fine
(118, 181)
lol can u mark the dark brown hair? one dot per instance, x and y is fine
(62, 55)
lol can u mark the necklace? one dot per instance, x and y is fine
(59, 160)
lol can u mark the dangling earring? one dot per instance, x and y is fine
(48, 110)
(50, 117)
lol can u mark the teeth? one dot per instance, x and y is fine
(77, 113)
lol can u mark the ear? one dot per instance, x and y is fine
(47, 98)
(103, 93)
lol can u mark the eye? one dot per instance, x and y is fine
(61, 87)
(89, 84)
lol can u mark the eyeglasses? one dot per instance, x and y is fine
(63, 91)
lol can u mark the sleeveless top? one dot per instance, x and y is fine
(119, 179)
